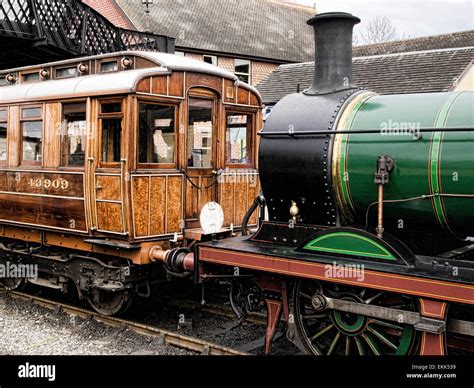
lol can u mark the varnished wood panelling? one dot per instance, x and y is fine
(14, 136)
(236, 194)
(52, 138)
(174, 204)
(229, 91)
(158, 204)
(176, 84)
(254, 100)
(144, 85)
(109, 217)
(47, 212)
(108, 188)
(241, 203)
(193, 79)
(141, 205)
(242, 96)
(227, 202)
(159, 85)
(192, 197)
(55, 184)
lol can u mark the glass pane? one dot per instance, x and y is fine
(73, 141)
(242, 66)
(30, 113)
(243, 78)
(113, 107)
(3, 115)
(67, 72)
(156, 134)
(3, 81)
(108, 66)
(3, 141)
(32, 140)
(238, 138)
(200, 133)
(111, 140)
(31, 77)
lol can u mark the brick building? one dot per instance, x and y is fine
(248, 37)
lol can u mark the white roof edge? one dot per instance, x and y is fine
(169, 61)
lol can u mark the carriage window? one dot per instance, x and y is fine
(3, 80)
(238, 138)
(32, 135)
(30, 77)
(106, 67)
(111, 125)
(73, 135)
(200, 133)
(156, 134)
(66, 72)
(3, 135)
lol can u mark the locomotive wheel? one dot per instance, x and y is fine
(110, 303)
(12, 284)
(334, 332)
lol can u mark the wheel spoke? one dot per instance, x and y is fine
(371, 344)
(382, 337)
(348, 345)
(372, 298)
(305, 295)
(321, 332)
(360, 346)
(334, 343)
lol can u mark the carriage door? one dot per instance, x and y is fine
(201, 154)
(109, 175)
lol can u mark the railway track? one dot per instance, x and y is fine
(166, 336)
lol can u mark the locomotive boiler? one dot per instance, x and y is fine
(367, 247)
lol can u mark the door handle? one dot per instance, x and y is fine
(98, 187)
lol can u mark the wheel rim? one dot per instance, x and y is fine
(11, 284)
(333, 332)
(110, 303)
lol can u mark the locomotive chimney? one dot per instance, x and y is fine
(333, 49)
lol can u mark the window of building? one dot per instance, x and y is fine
(66, 72)
(200, 132)
(109, 66)
(238, 138)
(156, 134)
(242, 70)
(32, 135)
(211, 59)
(111, 126)
(179, 53)
(30, 77)
(3, 135)
(73, 134)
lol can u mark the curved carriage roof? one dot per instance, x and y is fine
(113, 83)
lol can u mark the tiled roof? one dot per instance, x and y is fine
(436, 42)
(250, 28)
(110, 10)
(417, 72)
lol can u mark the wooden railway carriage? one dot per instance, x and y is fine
(113, 156)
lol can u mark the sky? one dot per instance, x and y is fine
(412, 18)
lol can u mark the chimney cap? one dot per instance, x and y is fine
(332, 16)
